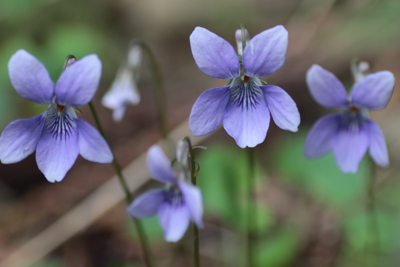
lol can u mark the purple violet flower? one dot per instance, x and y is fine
(351, 132)
(245, 105)
(176, 204)
(57, 135)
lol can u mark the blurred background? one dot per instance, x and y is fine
(309, 212)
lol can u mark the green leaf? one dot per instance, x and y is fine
(151, 228)
(222, 179)
(321, 177)
(279, 250)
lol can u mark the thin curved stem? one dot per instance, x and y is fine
(129, 198)
(159, 93)
(251, 215)
(196, 239)
(373, 220)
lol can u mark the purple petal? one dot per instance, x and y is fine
(78, 83)
(320, 138)
(19, 139)
(349, 147)
(92, 145)
(325, 88)
(159, 165)
(377, 146)
(30, 78)
(208, 111)
(194, 201)
(147, 204)
(374, 91)
(249, 124)
(266, 52)
(282, 107)
(174, 220)
(213, 55)
(58, 146)
(119, 113)
(122, 92)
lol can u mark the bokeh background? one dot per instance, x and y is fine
(309, 213)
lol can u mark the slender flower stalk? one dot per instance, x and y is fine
(251, 213)
(196, 238)
(373, 220)
(128, 195)
(159, 93)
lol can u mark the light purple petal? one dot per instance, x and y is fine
(58, 146)
(122, 92)
(147, 204)
(325, 88)
(374, 91)
(30, 78)
(119, 113)
(282, 107)
(266, 52)
(320, 138)
(349, 147)
(208, 111)
(249, 124)
(194, 201)
(92, 145)
(174, 220)
(78, 83)
(377, 146)
(19, 139)
(159, 165)
(213, 55)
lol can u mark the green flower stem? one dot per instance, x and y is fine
(128, 195)
(373, 220)
(251, 215)
(159, 93)
(196, 239)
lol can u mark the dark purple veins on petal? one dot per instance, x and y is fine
(245, 93)
(173, 196)
(353, 119)
(61, 124)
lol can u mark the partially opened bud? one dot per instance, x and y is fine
(359, 69)
(71, 59)
(134, 56)
(239, 42)
(182, 152)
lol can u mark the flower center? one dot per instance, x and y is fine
(60, 121)
(353, 118)
(60, 108)
(174, 196)
(246, 93)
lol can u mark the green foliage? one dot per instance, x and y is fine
(151, 227)
(49, 263)
(222, 179)
(280, 249)
(321, 177)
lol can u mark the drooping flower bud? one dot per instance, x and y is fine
(71, 59)
(239, 41)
